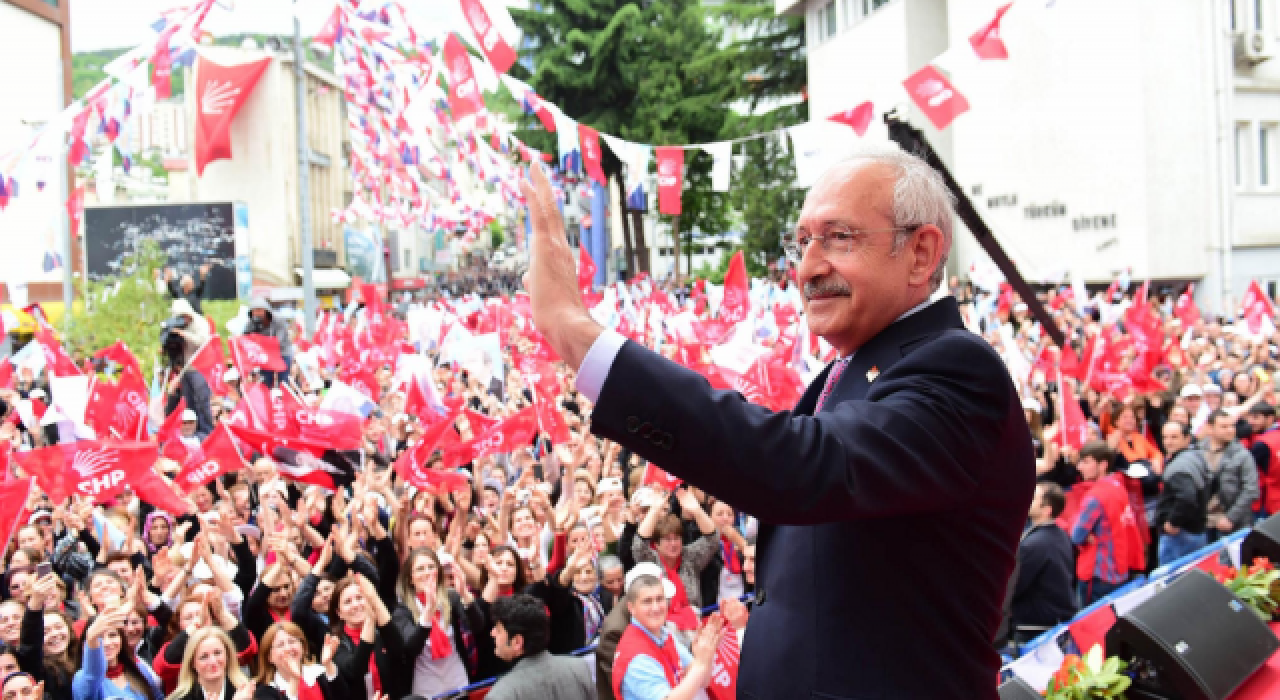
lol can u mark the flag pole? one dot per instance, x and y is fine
(304, 182)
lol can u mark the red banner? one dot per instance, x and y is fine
(655, 476)
(218, 455)
(859, 118)
(986, 42)
(735, 304)
(500, 54)
(253, 351)
(464, 92)
(508, 434)
(935, 96)
(211, 363)
(591, 157)
(220, 93)
(13, 501)
(724, 669)
(670, 178)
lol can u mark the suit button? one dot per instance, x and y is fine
(646, 429)
(633, 424)
(667, 441)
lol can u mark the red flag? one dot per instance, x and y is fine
(162, 64)
(120, 354)
(57, 360)
(479, 422)
(987, 43)
(1258, 309)
(655, 476)
(211, 363)
(1074, 430)
(13, 502)
(155, 490)
(337, 429)
(586, 271)
(267, 443)
(331, 30)
(724, 669)
(75, 208)
(252, 351)
(859, 117)
(464, 92)
(363, 380)
(218, 455)
(500, 54)
(590, 140)
(170, 435)
(550, 421)
(131, 405)
(6, 374)
(506, 435)
(670, 178)
(1091, 630)
(47, 465)
(1186, 309)
(412, 465)
(935, 96)
(736, 302)
(220, 93)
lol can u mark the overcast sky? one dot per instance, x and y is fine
(110, 24)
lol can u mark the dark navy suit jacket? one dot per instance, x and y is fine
(890, 520)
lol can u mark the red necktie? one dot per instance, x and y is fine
(833, 376)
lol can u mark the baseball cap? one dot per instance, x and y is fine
(1212, 389)
(40, 514)
(1262, 408)
(649, 569)
(189, 416)
(231, 375)
(1191, 390)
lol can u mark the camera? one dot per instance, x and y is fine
(172, 344)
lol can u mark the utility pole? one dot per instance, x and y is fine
(304, 189)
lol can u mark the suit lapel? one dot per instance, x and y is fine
(882, 352)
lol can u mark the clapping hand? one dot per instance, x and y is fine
(708, 640)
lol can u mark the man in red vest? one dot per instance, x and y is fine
(650, 663)
(1264, 445)
(1105, 530)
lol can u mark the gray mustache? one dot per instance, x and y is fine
(826, 287)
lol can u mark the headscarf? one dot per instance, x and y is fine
(146, 530)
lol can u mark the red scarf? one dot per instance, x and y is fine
(276, 617)
(354, 634)
(438, 638)
(730, 556)
(681, 612)
(115, 671)
(309, 692)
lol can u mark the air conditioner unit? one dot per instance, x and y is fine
(1253, 47)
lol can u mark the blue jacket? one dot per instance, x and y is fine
(889, 520)
(91, 682)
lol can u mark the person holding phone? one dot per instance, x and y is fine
(110, 668)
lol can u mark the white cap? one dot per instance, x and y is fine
(38, 394)
(648, 568)
(231, 375)
(1212, 389)
(1191, 390)
(189, 415)
(1030, 404)
(1137, 470)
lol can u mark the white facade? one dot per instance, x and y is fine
(263, 170)
(31, 48)
(1139, 134)
(163, 130)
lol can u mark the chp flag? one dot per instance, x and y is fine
(13, 501)
(256, 352)
(217, 455)
(220, 93)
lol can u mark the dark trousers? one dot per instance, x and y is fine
(1090, 592)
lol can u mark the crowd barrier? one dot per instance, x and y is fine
(1158, 578)
(477, 690)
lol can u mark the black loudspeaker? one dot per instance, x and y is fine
(1017, 689)
(1262, 541)
(1192, 641)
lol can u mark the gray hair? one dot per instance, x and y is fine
(642, 582)
(609, 562)
(920, 198)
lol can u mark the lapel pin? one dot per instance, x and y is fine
(872, 374)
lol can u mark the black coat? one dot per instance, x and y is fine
(414, 636)
(889, 521)
(197, 692)
(335, 689)
(568, 632)
(387, 650)
(1044, 594)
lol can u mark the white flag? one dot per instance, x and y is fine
(722, 167)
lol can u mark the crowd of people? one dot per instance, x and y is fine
(514, 555)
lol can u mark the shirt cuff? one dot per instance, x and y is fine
(595, 366)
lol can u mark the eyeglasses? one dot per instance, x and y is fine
(836, 242)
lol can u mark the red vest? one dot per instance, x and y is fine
(1127, 545)
(1269, 483)
(635, 641)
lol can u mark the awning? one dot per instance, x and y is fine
(327, 277)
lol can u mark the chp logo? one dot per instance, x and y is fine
(203, 473)
(668, 173)
(460, 75)
(98, 471)
(934, 92)
(253, 352)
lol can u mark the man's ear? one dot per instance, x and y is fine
(516, 642)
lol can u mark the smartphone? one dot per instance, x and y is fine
(43, 569)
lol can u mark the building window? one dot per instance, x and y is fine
(408, 260)
(1259, 15)
(857, 10)
(1267, 155)
(825, 22)
(1242, 152)
(1235, 13)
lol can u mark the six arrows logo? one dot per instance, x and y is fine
(218, 96)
